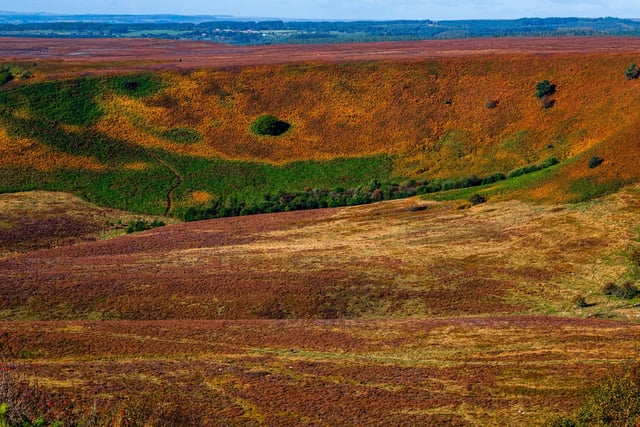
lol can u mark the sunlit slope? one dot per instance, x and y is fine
(397, 259)
(127, 141)
(367, 108)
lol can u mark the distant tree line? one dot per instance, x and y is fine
(276, 31)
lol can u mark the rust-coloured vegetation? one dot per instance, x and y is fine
(39, 220)
(478, 371)
(405, 260)
(427, 109)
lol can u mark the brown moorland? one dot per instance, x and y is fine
(445, 304)
(465, 371)
(39, 220)
(399, 313)
(423, 103)
(407, 258)
(142, 52)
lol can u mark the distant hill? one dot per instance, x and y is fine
(251, 31)
(31, 18)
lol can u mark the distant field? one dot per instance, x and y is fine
(167, 54)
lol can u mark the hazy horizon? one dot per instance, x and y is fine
(341, 10)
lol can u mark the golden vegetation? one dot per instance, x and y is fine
(399, 262)
(431, 115)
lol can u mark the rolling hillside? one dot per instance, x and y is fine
(498, 298)
(153, 143)
(401, 312)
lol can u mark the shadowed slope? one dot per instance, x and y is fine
(37, 220)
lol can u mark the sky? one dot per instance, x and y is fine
(340, 9)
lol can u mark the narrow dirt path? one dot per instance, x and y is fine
(178, 182)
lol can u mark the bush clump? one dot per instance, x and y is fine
(491, 104)
(533, 168)
(477, 199)
(5, 76)
(595, 161)
(632, 73)
(627, 290)
(136, 86)
(614, 402)
(269, 125)
(579, 301)
(142, 225)
(544, 89)
(610, 289)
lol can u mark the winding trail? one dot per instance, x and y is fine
(178, 182)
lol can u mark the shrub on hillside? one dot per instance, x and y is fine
(533, 168)
(141, 225)
(595, 161)
(5, 76)
(136, 86)
(632, 73)
(551, 161)
(579, 301)
(545, 88)
(614, 402)
(477, 199)
(627, 290)
(610, 289)
(491, 104)
(269, 125)
(494, 177)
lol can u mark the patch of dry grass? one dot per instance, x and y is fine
(477, 370)
(40, 219)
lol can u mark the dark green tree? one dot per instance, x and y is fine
(632, 73)
(595, 161)
(5, 76)
(269, 125)
(545, 88)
